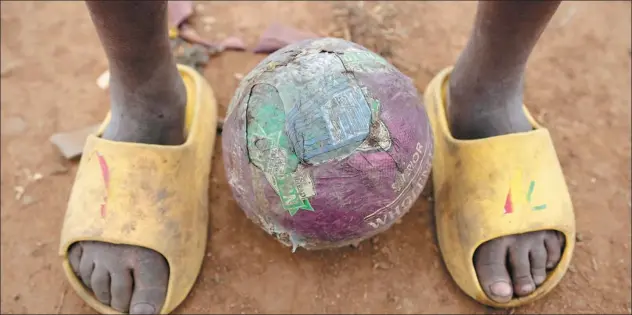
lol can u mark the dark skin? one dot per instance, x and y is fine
(485, 100)
(148, 101)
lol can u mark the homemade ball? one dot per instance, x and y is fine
(326, 144)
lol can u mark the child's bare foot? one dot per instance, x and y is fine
(516, 264)
(128, 278)
(485, 100)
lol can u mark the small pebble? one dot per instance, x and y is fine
(380, 265)
(13, 126)
(208, 20)
(103, 81)
(70, 143)
(19, 191)
(37, 176)
(59, 170)
(27, 200)
(579, 237)
(7, 70)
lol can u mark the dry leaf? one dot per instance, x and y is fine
(179, 11)
(233, 43)
(278, 36)
(188, 33)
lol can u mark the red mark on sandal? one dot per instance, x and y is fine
(508, 203)
(105, 171)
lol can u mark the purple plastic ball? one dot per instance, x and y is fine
(326, 144)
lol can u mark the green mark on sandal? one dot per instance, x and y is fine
(538, 208)
(531, 187)
(530, 193)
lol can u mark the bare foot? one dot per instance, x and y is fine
(128, 278)
(513, 265)
(517, 264)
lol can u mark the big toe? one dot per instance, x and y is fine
(489, 262)
(74, 257)
(151, 276)
(554, 243)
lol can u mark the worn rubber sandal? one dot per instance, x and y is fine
(151, 196)
(494, 187)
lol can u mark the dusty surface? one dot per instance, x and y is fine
(578, 83)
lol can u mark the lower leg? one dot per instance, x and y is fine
(486, 86)
(485, 99)
(147, 94)
(148, 101)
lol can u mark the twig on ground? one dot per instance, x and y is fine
(61, 299)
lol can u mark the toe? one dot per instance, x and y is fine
(150, 284)
(86, 266)
(553, 242)
(74, 257)
(521, 270)
(489, 262)
(100, 282)
(537, 258)
(121, 284)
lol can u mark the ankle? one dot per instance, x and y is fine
(160, 98)
(482, 87)
(151, 113)
(481, 108)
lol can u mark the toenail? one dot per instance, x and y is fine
(527, 288)
(142, 308)
(550, 265)
(539, 279)
(501, 288)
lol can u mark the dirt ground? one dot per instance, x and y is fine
(578, 84)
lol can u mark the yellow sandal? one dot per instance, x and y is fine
(145, 195)
(494, 187)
